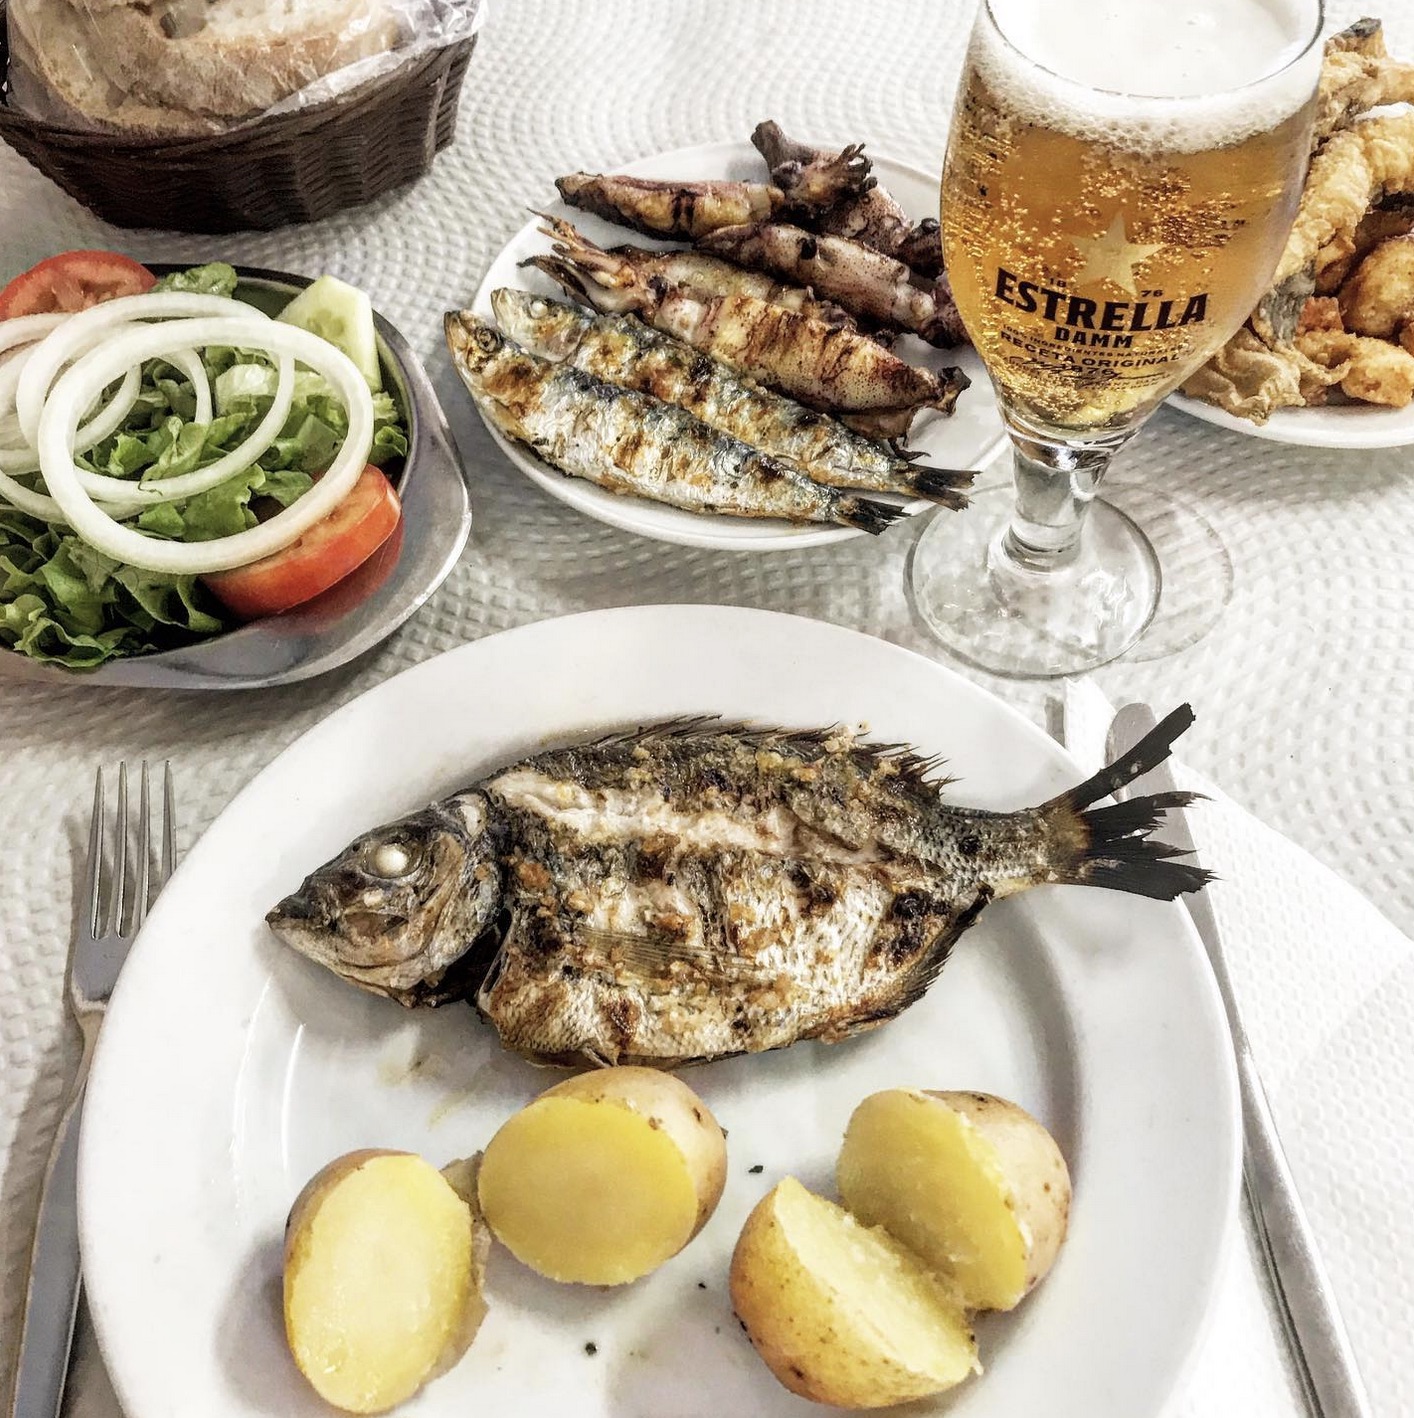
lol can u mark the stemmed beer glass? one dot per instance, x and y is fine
(1120, 180)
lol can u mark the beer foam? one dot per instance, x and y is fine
(1150, 75)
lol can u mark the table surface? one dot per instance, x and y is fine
(1302, 690)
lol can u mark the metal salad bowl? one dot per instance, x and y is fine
(357, 613)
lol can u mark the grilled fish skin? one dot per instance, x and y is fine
(627, 442)
(687, 210)
(708, 276)
(832, 370)
(696, 890)
(872, 216)
(622, 350)
(867, 283)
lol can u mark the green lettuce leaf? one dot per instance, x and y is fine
(216, 279)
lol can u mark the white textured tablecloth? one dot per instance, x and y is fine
(1303, 691)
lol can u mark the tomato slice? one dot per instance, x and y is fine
(73, 281)
(324, 555)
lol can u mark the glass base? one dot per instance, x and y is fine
(1027, 624)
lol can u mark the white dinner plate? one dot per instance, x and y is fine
(1325, 426)
(966, 438)
(231, 1068)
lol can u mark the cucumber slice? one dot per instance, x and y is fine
(343, 315)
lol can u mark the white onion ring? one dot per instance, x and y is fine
(23, 460)
(63, 409)
(62, 345)
(148, 494)
(195, 371)
(26, 329)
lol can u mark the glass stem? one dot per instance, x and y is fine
(1055, 485)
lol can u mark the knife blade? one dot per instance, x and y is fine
(1316, 1335)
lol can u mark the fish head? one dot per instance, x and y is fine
(474, 343)
(402, 910)
(549, 327)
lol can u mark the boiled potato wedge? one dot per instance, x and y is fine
(604, 1176)
(383, 1273)
(971, 1183)
(842, 1313)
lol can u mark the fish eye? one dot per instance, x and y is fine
(390, 860)
(489, 340)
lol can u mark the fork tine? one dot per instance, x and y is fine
(120, 857)
(169, 824)
(144, 850)
(93, 872)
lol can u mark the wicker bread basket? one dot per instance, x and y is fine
(269, 172)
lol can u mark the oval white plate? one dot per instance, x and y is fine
(1326, 426)
(230, 1068)
(965, 439)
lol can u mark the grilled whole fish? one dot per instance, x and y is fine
(865, 282)
(622, 350)
(691, 209)
(627, 442)
(696, 890)
(835, 371)
(709, 276)
(871, 216)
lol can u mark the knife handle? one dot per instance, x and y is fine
(52, 1299)
(1318, 1338)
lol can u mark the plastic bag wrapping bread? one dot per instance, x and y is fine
(173, 67)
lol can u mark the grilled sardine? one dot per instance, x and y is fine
(696, 890)
(833, 370)
(627, 442)
(623, 350)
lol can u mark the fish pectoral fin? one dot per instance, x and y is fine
(651, 954)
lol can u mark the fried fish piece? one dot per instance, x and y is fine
(1340, 256)
(1379, 297)
(1357, 74)
(1374, 371)
(1251, 379)
(1355, 169)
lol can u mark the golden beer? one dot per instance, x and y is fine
(1098, 258)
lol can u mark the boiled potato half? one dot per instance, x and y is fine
(972, 1184)
(383, 1274)
(604, 1176)
(840, 1312)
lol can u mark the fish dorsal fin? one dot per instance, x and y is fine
(904, 762)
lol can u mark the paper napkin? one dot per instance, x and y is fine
(1326, 988)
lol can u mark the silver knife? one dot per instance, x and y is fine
(1315, 1332)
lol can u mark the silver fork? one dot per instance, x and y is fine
(114, 906)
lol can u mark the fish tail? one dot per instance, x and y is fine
(866, 514)
(944, 485)
(1111, 846)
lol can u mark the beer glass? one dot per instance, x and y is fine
(1120, 179)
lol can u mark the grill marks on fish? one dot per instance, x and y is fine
(696, 890)
(867, 283)
(629, 442)
(871, 216)
(688, 210)
(624, 351)
(825, 368)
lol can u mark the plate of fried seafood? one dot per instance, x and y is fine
(1327, 357)
(738, 345)
(705, 1011)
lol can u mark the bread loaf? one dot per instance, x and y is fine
(231, 59)
(52, 46)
